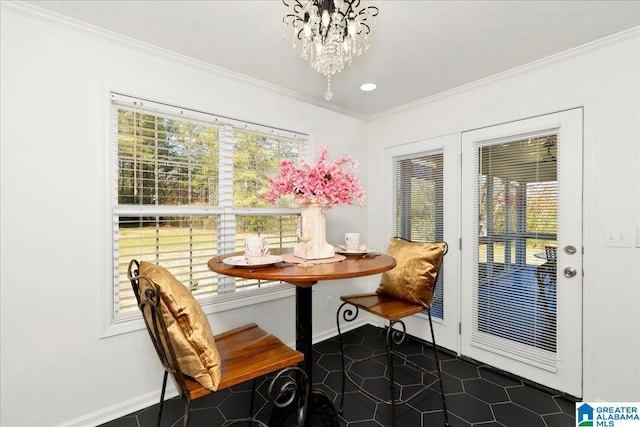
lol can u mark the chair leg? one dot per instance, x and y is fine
(435, 355)
(348, 315)
(253, 395)
(161, 405)
(392, 384)
(187, 412)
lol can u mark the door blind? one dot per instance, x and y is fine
(516, 207)
(418, 206)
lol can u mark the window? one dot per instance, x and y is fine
(418, 206)
(186, 187)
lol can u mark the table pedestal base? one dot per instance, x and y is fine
(321, 411)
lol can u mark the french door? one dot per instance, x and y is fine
(521, 258)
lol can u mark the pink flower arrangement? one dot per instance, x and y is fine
(322, 182)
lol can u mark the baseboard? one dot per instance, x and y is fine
(121, 409)
(345, 327)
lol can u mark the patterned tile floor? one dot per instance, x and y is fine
(477, 396)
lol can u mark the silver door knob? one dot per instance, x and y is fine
(570, 272)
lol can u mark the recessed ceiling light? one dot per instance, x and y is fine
(368, 87)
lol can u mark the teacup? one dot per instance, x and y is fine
(256, 247)
(352, 242)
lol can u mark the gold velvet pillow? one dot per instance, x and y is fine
(414, 276)
(188, 327)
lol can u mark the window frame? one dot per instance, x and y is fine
(116, 324)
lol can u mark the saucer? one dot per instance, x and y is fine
(247, 261)
(342, 250)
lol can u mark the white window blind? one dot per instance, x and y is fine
(186, 187)
(418, 206)
(516, 211)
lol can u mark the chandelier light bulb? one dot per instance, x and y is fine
(329, 34)
(351, 28)
(325, 18)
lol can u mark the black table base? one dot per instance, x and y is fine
(321, 411)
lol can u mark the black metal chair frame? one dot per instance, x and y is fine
(393, 337)
(292, 382)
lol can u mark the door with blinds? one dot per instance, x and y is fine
(424, 174)
(522, 248)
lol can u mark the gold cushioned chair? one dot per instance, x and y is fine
(405, 290)
(201, 363)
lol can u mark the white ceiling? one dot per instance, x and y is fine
(421, 48)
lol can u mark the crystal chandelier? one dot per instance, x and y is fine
(329, 33)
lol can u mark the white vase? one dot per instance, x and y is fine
(313, 232)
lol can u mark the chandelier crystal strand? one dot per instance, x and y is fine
(328, 94)
(329, 33)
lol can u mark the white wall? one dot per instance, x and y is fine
(53, 84)
(605, 79)
(56, 369)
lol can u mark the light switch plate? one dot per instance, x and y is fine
(638, 236)
(617, 237)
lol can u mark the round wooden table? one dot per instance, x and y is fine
(321, 410)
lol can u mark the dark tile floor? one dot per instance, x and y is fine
(477, 396)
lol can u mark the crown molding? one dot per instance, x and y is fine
(92, 30)
(553, 59)
(83, 27)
